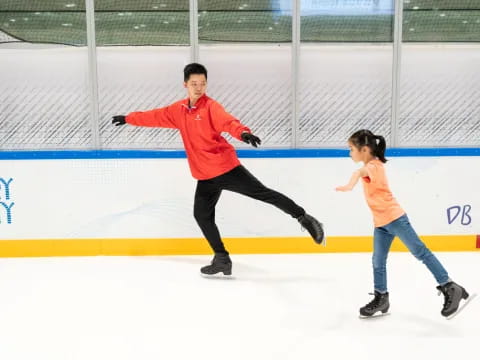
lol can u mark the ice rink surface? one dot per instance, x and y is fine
(277, 307)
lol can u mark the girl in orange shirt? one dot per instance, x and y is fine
(390, 220)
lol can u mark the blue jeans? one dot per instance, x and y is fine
(382, 240)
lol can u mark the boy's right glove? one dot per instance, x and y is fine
(118, 120)
(251, 139)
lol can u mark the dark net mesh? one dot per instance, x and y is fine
(166, 22)
(441, 21)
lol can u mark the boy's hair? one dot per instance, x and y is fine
(193, 68)
(376, 143)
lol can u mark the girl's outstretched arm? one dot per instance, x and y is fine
(353, 180)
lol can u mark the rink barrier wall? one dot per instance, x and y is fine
(449, 181)
(199, 246)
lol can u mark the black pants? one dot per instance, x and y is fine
(241, 181)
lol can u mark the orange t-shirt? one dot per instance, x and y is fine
(384, 206)
(209, 154)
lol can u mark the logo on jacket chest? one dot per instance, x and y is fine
(197, 117)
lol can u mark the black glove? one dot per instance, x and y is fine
(118, 120)
(251, 139)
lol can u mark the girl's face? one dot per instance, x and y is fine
(359, 155)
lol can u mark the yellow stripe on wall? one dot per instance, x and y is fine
(195, 246)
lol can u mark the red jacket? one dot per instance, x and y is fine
(209, 154)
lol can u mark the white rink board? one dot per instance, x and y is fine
(153, 198)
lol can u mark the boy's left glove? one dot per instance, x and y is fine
(119, 120)
(251, 139)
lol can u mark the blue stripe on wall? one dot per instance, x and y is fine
(243, 153)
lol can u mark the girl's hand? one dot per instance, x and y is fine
(353, 180)
(344, 188)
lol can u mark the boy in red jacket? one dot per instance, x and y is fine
(214, 162)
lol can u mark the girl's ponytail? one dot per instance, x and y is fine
(379, 148)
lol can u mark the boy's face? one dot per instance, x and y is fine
(196, 86)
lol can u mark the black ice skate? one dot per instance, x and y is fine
(221, 263)
(453, 293)
(379, 303)
(314, 227)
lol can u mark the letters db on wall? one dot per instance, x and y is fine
(459, 214)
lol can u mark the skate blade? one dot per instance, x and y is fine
(219, 276)
(465, 303)
(374, 316)
(324, 242)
